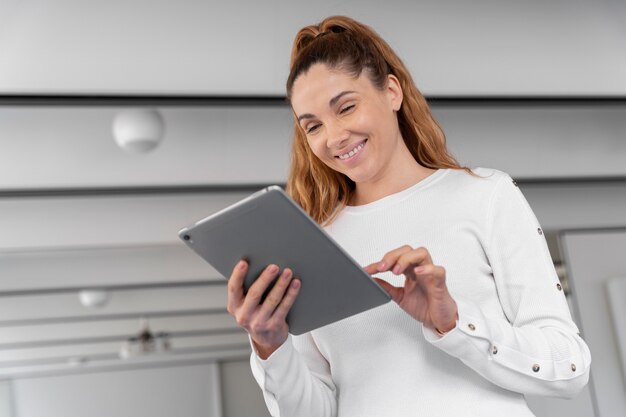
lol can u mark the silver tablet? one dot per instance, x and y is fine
(269, 227)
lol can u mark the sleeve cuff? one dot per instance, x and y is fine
(470, 323)
(268, 371)
(279, 356)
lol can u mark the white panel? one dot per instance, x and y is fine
(592, 258)
(452, 47)
(505, 47)
(103, 267)
(158, 219)
(571, 206)
(67, 332)
(140, 45)
(238, 383)
(72, 147)
(616, 290)
(6, 399)
(113, 363)
(580, 406)
(48, 223)
(539, 141)
(64, 353)
(136, 302)
(216, 390)
(138, 220)
(178, 391)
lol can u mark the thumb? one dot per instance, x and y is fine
(395, 292)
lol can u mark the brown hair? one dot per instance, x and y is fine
(344, 44)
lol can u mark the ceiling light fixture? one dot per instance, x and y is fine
(145, 343)
(93, 298)
(138, 130)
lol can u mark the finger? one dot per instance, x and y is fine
(235, 286)
(443, 309)
(433, 275)
(390, 258)
(415, 257)
(397, 294)
(276, 294)
(372, 269)
(280, 313)
(257, 289)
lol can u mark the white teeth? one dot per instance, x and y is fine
(352, 152)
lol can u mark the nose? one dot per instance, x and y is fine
(338, 135)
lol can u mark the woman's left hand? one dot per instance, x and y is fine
(425, 295)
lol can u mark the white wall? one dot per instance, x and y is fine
(454, 47)
(181, 391)
(241, 395)
(594, 257)
(6, 399)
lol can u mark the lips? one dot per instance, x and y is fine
(350, 152)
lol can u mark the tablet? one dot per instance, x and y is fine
(268, 227)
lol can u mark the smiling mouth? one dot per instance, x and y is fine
(353, 152)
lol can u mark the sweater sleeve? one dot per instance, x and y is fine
(296, 380)
(537, 349)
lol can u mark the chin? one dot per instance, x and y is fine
(357, 174)
(357, 177)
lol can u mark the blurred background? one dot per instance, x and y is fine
(123, 121)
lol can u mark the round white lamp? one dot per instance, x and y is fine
(93, 298)
(138, 130)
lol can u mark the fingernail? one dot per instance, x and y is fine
(242, 264)
(381, 266)
(295, 284)
(419, 269)
(273, 269)
(397, 269)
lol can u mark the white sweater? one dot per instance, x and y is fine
(514, 335)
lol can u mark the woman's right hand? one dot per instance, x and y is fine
(265, 322)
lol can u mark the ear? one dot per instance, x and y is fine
(394, 91)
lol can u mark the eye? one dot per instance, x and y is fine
(312, 128)
(346, 109)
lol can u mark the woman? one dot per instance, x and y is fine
(479, 317)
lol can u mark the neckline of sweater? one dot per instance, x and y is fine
(399, 196)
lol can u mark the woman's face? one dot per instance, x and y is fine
(350, 125)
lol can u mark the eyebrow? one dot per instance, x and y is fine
(331, 103)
